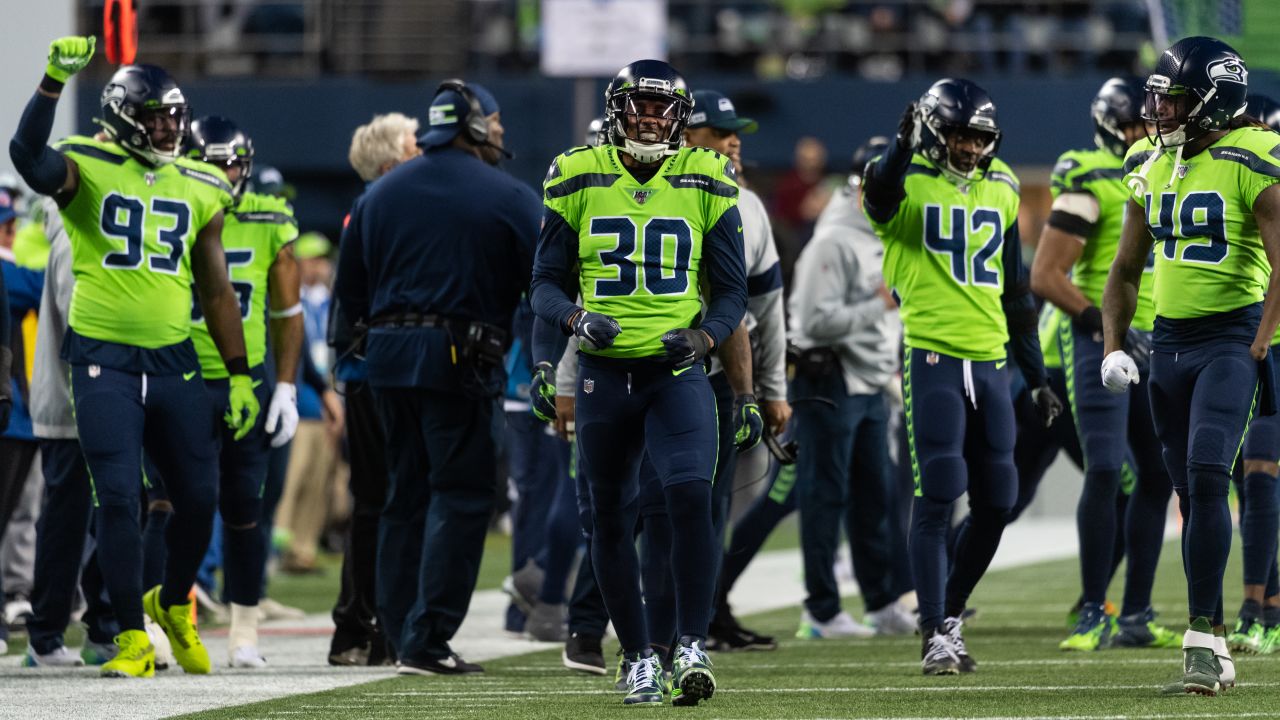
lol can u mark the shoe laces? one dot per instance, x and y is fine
(953, 626)
(940, 649)
(691, 654)
(643, 673)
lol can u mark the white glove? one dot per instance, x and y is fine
(283, 412)
(1118, 370)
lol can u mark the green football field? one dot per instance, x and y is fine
(1021, 674)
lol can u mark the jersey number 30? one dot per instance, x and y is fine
(956, 245)
(669, 278)
(125, 217)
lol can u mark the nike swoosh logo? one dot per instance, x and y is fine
(256, 383)
(1000, 364)
(681, 371)
(188, 375)
(739, 228)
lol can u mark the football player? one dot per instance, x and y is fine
(1257, 628)
(257, 234)
(1073, 257)
(1202, 190)
(145, 224)
(643, 223)
(947, 211)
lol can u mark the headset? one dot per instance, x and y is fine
(474, 124)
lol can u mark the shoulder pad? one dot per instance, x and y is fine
(203, 172)
(1000, 172)
(90, 147)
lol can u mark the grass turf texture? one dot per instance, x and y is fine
(1014, 638)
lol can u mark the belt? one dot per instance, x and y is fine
(409, 320)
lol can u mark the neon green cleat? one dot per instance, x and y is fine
(1140, 630)
(1270, 641)
(136, 656)
(1248, 637)
(1093, 630)
(181, 631)
(644, 681)
(691, 677)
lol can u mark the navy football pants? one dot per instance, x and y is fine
(1260, 505)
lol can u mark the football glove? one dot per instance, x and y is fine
(68, 56)
(1138, 345)
(282, 412)
(596, 329)
(242, 406)
(907, 137)
(1047, 404)
(542, 392)
(748, 423)
(686, 346)
(6, 388)
(1118, 370)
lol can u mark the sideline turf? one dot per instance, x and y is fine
(1014, 637)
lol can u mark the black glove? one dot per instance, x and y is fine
(686, 346)
(1138, 345)
(542, 391)
(1047, 404)
(907, 128)
(6, 387)
(748, 423)
(597, 329)
(1089, 320)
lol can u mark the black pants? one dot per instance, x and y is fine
(441, 455)
(354, 616)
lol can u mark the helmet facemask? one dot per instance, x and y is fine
(169, 121)
(648, 126)
(961, 166)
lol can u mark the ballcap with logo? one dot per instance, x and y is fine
(713, 109)
(448, 111)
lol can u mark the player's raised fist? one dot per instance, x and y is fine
(68, 56)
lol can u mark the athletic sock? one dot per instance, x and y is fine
(243, 558)
(656, 579)
(244, 626)
(1096, 528)
(694, 557)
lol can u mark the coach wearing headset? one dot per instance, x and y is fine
(433, 261)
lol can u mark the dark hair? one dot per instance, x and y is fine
(1244, 121)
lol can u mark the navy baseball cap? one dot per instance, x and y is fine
(444, 117)
(713, 109)
(7, 211)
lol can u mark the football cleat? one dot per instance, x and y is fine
(966, 663)
(246, 656)
(1140, 630)
(135, 657)
(547, 622)
(1248, 636)
(1270, 641)
(691, 679)
(164, 651)
(58, 657)
(1226, 666)
(94, 653)
(839, 626)
(450, 664)
(1201, 670)
(1092, 631)
(892, 619)
(937, 655)
(584, 653)
(644, 680)
(184, 640)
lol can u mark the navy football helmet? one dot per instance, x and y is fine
(1117, 105)
(1201, 83)
(1264, 110)
(647, 106)
(135, 101)
(956, 105)
(863, 156)
(219, 141)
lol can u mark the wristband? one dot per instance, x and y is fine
(237, 366)
(51, 85)
(295, 309)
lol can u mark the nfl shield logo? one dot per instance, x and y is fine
(641, 196)
(932, 358)
(588, 386)
(149, 178)
(95, 371)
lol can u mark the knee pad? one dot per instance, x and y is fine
(929, 513)
(997, 487)
(1209, 483)
(1260, 489)
(689, 501)
(944, 479)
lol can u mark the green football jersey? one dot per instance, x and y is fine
(1100, 173)
(943, 258)
(130, 228)
(1209, 254)
(1050, 317)
(640, 244)
(253, 233)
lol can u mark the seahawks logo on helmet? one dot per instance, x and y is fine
(1228, 70)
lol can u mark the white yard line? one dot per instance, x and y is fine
(298, 665)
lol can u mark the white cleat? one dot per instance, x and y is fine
(840, 626)
(247, 656)
(17, 612)
(892, 619)
(269, 609)
(60, 657)
(1223, 655)
(160, 641)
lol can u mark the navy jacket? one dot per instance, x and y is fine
(442, 234)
